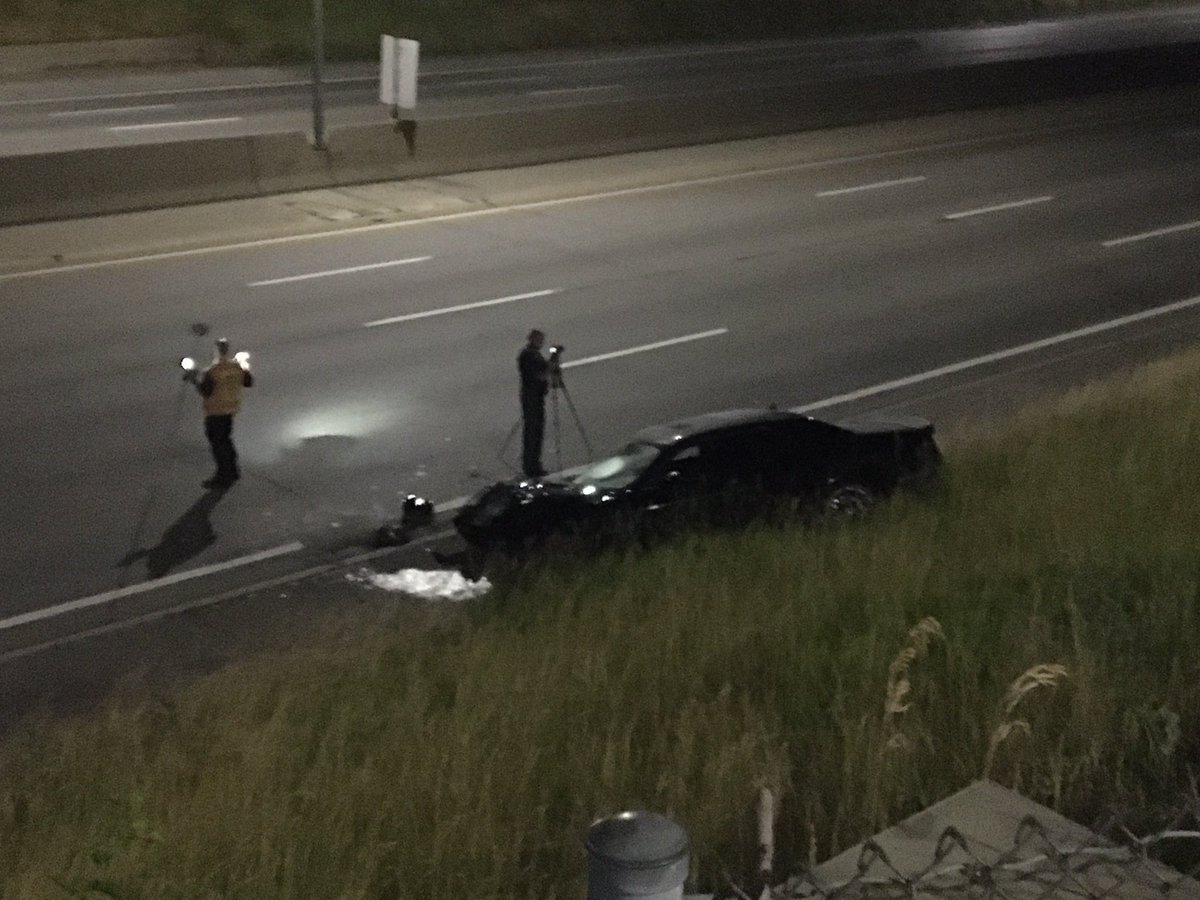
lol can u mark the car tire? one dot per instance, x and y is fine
(849, 500)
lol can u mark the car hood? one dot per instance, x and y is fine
(505, 497)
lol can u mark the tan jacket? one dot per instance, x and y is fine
(222, 386)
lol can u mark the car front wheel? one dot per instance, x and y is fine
(848, 501)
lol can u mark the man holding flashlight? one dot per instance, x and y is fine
(221, 387)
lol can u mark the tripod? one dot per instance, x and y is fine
(557, 388)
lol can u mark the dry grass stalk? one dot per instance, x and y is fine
(1043, 675)
(920, 636)
(891, 741)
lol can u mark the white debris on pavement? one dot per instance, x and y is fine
(439, 584)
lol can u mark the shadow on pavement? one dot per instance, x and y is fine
(187, 536)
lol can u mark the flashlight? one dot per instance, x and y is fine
(187, 364)
(242, 358)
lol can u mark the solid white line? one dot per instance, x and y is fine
(108, 596)
(784, 49)
(368, 79)
(588, 360)
(184, 123)
(213, 599)
(870, 187)
(997, 208)
(175, 92)
(514, 78)
(1146, 235)
(110, 110)
(573, 90)
(462, 307)
(383, 265)
(536, 204)
(999, 355)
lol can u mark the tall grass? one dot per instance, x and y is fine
(265, 31)
(1034, 622)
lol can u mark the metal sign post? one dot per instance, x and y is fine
(318, 101)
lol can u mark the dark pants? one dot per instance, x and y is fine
(533, 432)
(219, 431)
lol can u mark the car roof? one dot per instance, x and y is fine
(673, 432)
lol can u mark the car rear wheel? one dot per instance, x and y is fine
(848, 501)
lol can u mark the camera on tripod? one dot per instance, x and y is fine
(555, 365)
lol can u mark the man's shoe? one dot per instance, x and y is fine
(216, 483)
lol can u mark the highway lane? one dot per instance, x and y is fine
(79, 113)
(793, 284)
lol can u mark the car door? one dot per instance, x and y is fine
(807, 455)
(676, 477)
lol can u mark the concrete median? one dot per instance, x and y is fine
(94, 182)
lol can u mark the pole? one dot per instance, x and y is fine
(318, 105)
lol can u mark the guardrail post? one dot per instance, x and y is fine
(636, 854)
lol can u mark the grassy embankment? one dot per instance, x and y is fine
(467, 761)
(266, 31)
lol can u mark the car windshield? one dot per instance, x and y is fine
(618, 471)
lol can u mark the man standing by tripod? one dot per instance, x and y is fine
(535, 382)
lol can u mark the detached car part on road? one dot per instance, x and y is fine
(722, 464)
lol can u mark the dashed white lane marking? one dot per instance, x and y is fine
(1146, 235)
(875, 185)
(953, 368)
(111, 110)
(462, 307)
(51, 612)
(547, 92)
(699, 336)
(182, 123)
(984, 210)
(354, 231)
(331, 272)
(458, 502)
(999, 355)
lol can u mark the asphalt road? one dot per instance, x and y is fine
(385, 357)
(87, 111)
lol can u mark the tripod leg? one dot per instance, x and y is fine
(508, 440)
(557, 429)
(578, 424)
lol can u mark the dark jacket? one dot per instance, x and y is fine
(534, 371)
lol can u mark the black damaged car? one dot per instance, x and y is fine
(708, 463)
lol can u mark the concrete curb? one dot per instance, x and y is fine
(110, 180)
